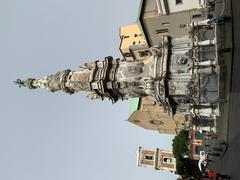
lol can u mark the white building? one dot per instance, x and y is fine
(172, 6)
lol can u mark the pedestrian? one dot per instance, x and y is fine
(220, 20)
(216, 176)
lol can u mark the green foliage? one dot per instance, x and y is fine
(180, 165)
(180, 147)
(184, 166)
(180, 144)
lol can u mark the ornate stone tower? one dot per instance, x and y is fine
(156, 158)
(179, 73)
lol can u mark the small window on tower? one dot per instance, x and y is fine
(178, 2)
(149, 157)
(167, 160)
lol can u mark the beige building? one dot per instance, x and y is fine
(145, 114)
(133, 44)
(156, 158)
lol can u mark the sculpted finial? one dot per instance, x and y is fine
(25, 83)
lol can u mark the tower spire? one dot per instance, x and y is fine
(28, 83)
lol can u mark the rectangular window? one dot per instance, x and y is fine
(196, 16)
(178, 2)
(144, 53)
(162, 31)
(198, 149)
(149, 157)
(199, 135)
(127, 54)
(165, 23)
(168, 160)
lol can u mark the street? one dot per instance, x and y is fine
(230, 162)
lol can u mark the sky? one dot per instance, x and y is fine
(55, 136)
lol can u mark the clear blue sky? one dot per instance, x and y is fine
(54, 136)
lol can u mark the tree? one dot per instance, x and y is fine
(180, 144)
(184, 166)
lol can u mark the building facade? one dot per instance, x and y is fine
(173, 6)
(169, 17)
(146, 114)
(197, 144)
(133, 45)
